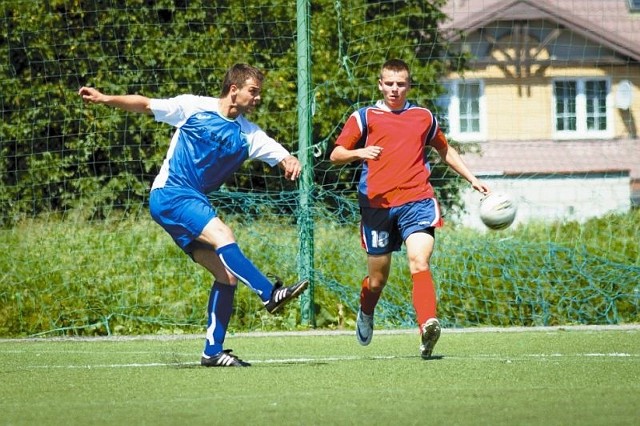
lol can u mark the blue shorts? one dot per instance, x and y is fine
(182, 212)
(383, 230)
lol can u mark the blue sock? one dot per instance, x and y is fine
(245, 271)
(219, 312)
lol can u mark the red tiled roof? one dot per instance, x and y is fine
(608, 22)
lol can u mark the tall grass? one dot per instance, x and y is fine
(124, 275)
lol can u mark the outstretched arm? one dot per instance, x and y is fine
(451, 156)
(130, 103)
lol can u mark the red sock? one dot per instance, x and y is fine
(368, 298)
(424, 296)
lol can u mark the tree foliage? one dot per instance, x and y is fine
(58, 154)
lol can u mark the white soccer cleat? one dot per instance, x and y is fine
(364, 328)
(430, 335)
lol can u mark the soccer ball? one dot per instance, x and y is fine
(497, 210)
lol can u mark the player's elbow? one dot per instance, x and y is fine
(146, 107)
(339, 156)
(334, 157)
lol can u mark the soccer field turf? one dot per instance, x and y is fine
(553, 376)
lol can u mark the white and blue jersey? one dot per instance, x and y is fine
(205, 150)
(207, 147)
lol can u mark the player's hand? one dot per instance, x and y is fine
(291, 167)
(480, 187)
(89, 94)
(371, 152)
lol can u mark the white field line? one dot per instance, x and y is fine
(303, 360)
(331, 359)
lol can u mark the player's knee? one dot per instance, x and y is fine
(217, 234)
(419, 266)
(376, 286)
(419, 262)
(226, 278)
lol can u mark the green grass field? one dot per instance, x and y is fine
(513, 377)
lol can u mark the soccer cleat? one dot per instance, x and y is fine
(430, 336)
(223, 359)
(281, 295)
(364, 328)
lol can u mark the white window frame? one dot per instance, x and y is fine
(453, 111)
(581, 131)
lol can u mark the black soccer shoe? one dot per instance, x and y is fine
(223, 359)
(282, 295)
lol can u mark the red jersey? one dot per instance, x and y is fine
(401, 174)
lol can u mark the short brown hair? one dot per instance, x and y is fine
(237, 75)
(396, 65)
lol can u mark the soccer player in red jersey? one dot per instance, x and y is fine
(397, 201)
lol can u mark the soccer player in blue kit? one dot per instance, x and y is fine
(211, 141)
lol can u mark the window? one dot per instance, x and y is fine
(581, 108)
(634, 5)
(464, 110)
(469, 99)
(565, 92)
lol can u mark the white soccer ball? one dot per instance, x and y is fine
(497, 210)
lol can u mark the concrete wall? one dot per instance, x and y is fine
(554, 197)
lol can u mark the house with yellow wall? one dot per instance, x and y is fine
(551, 100)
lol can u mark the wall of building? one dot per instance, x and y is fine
(521, 108)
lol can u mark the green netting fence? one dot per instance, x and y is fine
(82, 256)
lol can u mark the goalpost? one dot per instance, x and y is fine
(82, 256)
